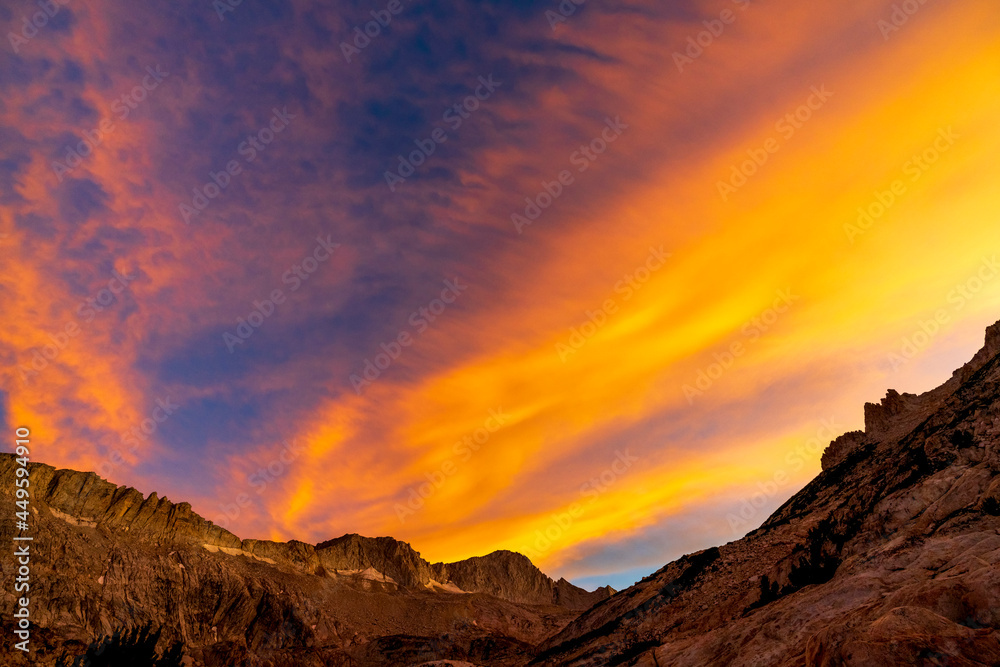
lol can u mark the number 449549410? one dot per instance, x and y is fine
(22, 476)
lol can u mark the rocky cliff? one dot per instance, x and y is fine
(891, 556)
(898, 414)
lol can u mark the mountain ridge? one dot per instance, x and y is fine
(88, 499)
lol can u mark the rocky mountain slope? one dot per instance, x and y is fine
(891, 556)
(107, 557)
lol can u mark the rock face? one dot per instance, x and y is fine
(111, 557)
(891, 556)
(511, 576)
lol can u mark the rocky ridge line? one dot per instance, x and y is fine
(84, 498)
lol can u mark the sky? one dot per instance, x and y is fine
(594, 282)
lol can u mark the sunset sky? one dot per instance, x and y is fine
(577, 285)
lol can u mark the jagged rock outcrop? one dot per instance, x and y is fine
(90, 499)
(891, 556)
(838, 450)
(898, 414)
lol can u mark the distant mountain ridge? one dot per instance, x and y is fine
(86, 499)
(107, 557)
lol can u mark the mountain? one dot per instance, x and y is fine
(106, 557)
(890, 556)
